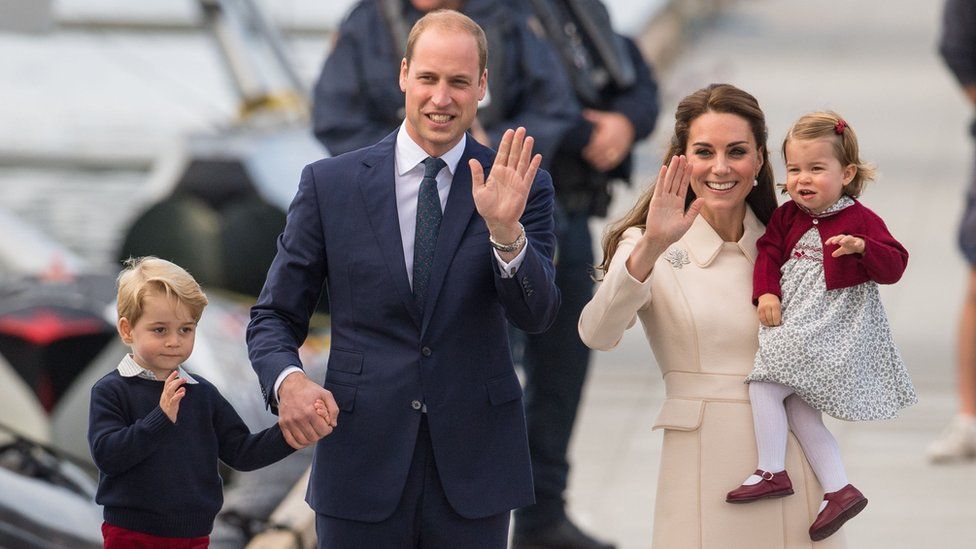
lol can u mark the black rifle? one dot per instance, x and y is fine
(593, 53)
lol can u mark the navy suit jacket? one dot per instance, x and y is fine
(454, 356)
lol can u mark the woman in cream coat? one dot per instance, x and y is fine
(681, 261)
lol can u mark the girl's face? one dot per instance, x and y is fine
(815, 177)
(725, 160)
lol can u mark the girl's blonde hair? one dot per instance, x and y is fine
(832, 127)
(142, 276)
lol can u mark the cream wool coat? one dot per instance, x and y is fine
(696, 309)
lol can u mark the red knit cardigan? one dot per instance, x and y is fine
(883, 261)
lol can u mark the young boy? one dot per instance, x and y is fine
(156, 432)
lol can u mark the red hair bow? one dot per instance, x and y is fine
(839, 126)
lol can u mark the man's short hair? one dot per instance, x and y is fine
(452, 21)
(142, 276)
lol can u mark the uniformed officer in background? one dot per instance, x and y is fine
(618, 93)
(357, 100)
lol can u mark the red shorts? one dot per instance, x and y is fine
(120, 538)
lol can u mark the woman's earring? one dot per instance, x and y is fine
(755, 182)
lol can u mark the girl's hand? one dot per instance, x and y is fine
(173, 393)
(666, 217)
(769, 310)
(847, 245)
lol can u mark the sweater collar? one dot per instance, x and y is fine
(704, 243)
(128, 367)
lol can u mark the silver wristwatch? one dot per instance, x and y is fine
(509, 248)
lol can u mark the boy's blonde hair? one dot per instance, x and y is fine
(142, 276)
(829, 125)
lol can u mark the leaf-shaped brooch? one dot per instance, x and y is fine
(677, 257)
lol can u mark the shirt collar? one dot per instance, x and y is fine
(704, 243)
(409, 154)
(128, 367)
(842, 202)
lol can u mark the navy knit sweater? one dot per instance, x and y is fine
(161, 478)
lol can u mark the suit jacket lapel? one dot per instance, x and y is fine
(377, 186)
(457, 215)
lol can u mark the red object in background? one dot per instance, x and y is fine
(52, 326)
(44, 325)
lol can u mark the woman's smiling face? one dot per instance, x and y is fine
(725, 160)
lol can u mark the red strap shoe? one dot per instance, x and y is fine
(842, 506)
(772, 485)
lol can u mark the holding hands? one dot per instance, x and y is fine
(847, 245)
(667, 221)
(501, 198)
(173, 393)
(307, 411)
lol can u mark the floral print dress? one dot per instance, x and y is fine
(833, 347)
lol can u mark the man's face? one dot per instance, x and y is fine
(443, 87)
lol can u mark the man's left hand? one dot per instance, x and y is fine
(611, 140)
(501, 198)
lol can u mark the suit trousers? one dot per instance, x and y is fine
(424, 518)
(556, 364)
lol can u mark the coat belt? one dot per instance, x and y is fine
(698, 386)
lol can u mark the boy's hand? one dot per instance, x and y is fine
(847, 245)
(769, 310)
(300, 422)
(323, 410)
(173, 392)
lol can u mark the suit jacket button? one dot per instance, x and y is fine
(416, 405)
(426, 351)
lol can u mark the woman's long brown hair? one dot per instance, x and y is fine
(721, 98)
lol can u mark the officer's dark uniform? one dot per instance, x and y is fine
(958, 48)
(357, 99)
(556, 362)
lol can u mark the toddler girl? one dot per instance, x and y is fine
(825, 344)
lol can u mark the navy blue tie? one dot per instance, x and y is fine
(428, 222)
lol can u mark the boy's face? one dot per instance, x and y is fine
(163, 337)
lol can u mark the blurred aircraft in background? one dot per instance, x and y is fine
(220, 203)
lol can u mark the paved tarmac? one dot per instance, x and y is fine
(875, 62)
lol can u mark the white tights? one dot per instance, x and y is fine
(776, 411)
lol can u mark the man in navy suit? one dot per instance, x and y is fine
(426, 261)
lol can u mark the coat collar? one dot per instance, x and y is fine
(704, 243)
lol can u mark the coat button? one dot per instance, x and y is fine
(425, 351)
(416, 405)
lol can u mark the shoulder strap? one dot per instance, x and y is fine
(392, 13)
(609, 47)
